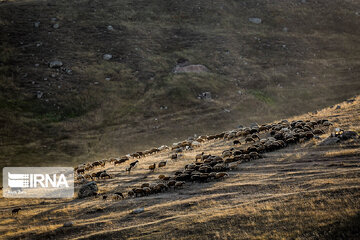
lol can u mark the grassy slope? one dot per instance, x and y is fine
(314, 64)
(304, 191)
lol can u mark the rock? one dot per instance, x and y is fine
(88, 190)
(68, 224)
(53, 20)
(37, 65)
(107, 57)
(55, 64)
(348, 135)
(255, 20)
(56, 26)
(36, 24)
(240, 92)
(110, 28)
(205, 95)
(107, 79)
(39, 94)
(138, 210)
(190, 69)
(285, 29)
(329, 141)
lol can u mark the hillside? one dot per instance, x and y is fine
(304, 55)
(302, 190)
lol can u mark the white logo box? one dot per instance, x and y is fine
(38, 182)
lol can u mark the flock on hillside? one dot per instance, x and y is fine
(207, 167)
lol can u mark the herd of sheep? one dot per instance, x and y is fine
(207, 167)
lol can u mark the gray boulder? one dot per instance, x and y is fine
(190, 69)
(255, 20)
(68, 224)
(55, 64)
(88, 190)
(329, 141)
(138, 210)
(107, 56)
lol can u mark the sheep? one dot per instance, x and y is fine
(162, 176)
(179, 184)
(162, 164)
(119, 161)
(221, 175)
(226, 153)
(236, 142)
(146, 190)
(88, 176)
(133, 164)
(104, 197)
(104, 175)
(255, 136)
(15, 211)
(119, 194)
(174, 156)
(199, 156)
(171, 183)
(152, 167)
(145, 185)
(249, 139)
(80, 177)
(131, 193)
(138, 191)
(80, 170)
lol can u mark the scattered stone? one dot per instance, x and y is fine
(240, 92)
(37, 65)
(205, 95)
(329, 141)
(56, 26)
(255, 20)
(254, 125)
(190, 69)
(53, 20)
(350, 100)
(285, 29)
(53, 75)
(55, 64)
(37, 24)
(227, 110)
(110, 28)
(68, 224)
(338, 107)
(107, 79)
(138, 210)
(96, 83)
(88, 190)
(39, 94)
(107, 57)
(163, 107)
